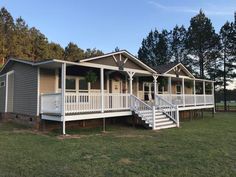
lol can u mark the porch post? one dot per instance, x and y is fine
(63, 94)
(170, 89)
(183, 92)
(131, 74)
(213, 96)
(102, 88)
(204, 92)
(155, 87)
(194, 92)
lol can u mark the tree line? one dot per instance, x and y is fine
(199, 47)
(18, 40)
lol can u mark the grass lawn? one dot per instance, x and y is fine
(228, 103)
(204, 147)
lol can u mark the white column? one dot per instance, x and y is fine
(183, 91)
(131, 74)
(204, 92)
(170, 89)
(213, 95)
(194, 92)
(63, 94)
(155, 87)
(102, 88)
(137, 86)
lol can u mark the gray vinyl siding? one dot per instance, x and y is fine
(25, 88)
(2, 94)
(10, 94)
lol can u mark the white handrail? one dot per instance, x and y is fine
(141, 108)
(168, 109)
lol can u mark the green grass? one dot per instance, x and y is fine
(228, 103)
(204, 147)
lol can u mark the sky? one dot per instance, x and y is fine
(106, 24)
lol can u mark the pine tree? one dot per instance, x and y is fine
(23, 43)
(146, 51)
(92, 53)
(8, 33)
(73, 52)
(178, 45)
(55, 51)
(155, 48)
(201, 39)
(39, 44)
(228, 41)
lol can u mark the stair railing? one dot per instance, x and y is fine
(139, 106)
(168, 109)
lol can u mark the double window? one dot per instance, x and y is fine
(75, 84)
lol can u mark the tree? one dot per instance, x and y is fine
(23, 43)
(155, 48)
(228, 40)
(73, 52)
(55, 51)
(201, 39)
(39, 43)
(92, 53)
(117, 49)
(178, 46)
(8, 27)
(146, 51)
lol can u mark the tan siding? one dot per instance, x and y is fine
(111, 62)
(47, 81)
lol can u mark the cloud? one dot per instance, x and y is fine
(209, 9)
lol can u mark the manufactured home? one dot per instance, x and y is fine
(112, 85)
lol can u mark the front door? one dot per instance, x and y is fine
(116, 100)
(116, 86)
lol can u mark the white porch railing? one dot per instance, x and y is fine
(84, 102)
(188, 99)
(51, 103)
(168, 109)
(116, 101)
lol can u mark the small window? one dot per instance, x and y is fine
(178, 89)
(2, 84)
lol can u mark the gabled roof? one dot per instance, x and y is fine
(161, 69)
(124, 52)
(164, 69)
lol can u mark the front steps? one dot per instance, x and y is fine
(161, 120)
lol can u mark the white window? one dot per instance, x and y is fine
(2, 84)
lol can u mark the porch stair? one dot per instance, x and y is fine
(154, 117)
(161, 120)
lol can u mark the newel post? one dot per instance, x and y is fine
(154, 116)
(177, 115)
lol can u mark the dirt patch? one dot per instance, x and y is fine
(125, 161)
